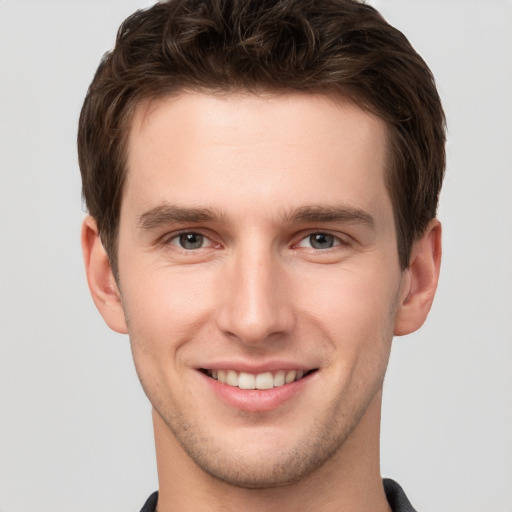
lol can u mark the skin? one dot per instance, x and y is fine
(255, 177)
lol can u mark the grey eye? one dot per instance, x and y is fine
(322, 241)
(191, 241)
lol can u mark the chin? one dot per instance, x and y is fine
(255, 474)
(283, 462)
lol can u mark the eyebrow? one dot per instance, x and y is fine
(347, 214)
(168, 214)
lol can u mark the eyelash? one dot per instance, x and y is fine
(168, 240)
(337, 240)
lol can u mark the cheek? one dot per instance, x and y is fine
(164, 307)
(164, 314)
(356, 306)
(354, 312)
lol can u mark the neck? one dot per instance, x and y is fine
(348, 481)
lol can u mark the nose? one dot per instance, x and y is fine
(255, 306)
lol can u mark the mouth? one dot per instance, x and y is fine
(261, 381)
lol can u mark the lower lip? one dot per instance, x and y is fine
(256, 400)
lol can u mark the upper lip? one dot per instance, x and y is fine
(255, 368)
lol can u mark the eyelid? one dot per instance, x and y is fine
(306, 242)
(341, 239)
(168, 239)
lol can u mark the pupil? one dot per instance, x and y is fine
(191, 241)
(321, 241)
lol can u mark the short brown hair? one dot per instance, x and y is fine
(340, 47)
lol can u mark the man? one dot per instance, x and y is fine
(262, 179)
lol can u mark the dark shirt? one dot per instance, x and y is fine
(394, 493)
(396, 497)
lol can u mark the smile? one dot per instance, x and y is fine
(265, 380)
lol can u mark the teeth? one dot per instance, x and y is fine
(232, 378)
(290, 376)
(279, 378)
(246, 381)
(266, 380)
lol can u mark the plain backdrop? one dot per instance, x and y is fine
(75, 429)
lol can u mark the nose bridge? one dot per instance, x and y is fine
(255, 305)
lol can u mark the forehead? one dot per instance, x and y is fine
(300, 114)
(281, 149)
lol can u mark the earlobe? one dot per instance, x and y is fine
(102, 284)
(419, 281)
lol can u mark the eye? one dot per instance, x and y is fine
(189, 241)
(320, 241)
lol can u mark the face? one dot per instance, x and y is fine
(259, 277)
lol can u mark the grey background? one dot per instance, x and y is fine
(75, 429)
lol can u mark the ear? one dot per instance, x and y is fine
(102, 284)
(419, 281)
